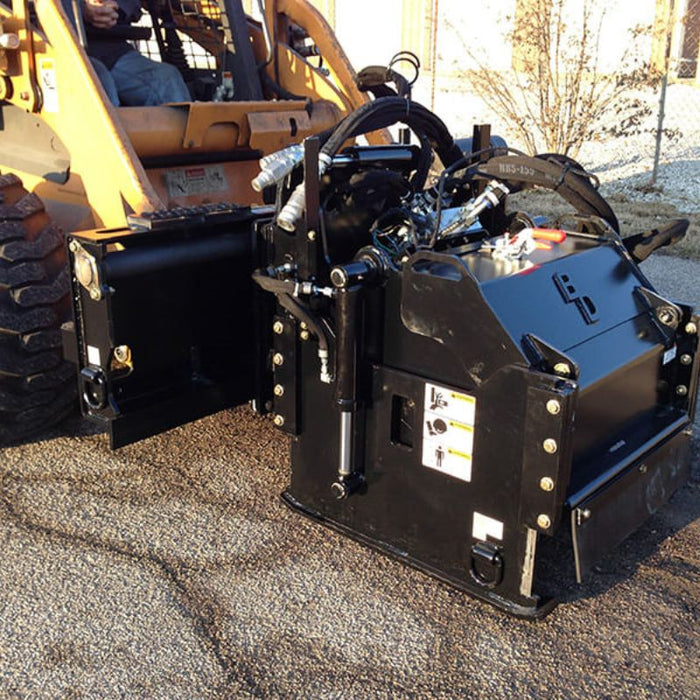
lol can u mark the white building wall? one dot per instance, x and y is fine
(470, 33)
(616, 24)
(371, 30)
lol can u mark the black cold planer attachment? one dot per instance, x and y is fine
(462, 380)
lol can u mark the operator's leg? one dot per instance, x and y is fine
(107, 81)
(141, 81)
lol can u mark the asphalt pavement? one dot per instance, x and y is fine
(170, 569)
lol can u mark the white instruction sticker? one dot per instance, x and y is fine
(448, 431)
(670, 355)
(49, 86)
(205, 179)
(484, 527)
(93, 356)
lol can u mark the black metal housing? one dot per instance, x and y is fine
(598, 450)
(450, 409)
(174, 291)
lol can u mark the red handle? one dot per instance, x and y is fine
(549, 234)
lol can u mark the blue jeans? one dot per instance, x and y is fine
(137, 81)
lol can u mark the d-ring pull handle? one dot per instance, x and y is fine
(486, 565)
(94, 388)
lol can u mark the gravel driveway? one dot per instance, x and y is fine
(170, 569)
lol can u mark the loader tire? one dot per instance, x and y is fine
(37, 387)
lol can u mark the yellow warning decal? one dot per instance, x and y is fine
(457, 453)
(48, 84)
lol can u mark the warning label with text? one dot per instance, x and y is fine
(448, 431)
(186, 182)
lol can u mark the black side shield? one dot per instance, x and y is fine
(164, 319)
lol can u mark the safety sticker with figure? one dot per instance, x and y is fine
(448, 431)
(49, 86)
(186, 182)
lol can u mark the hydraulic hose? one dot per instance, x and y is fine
(275, 87)
(284, 290)
(379, 114)
(574, 188)
(387, 111)
(374, 78)
(421, 175)
(269, 50)
(302, 314)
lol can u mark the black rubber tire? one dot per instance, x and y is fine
(37, 387)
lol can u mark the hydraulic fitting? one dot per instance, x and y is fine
(293, 210)
(295, 151)
(277, 166)
(495, 191)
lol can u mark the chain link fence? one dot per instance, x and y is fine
(679, 94)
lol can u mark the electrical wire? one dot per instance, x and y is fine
(410, 58)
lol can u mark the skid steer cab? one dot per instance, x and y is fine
(462, 380)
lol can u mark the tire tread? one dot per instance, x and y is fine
(37, 387)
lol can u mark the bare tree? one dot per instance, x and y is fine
(557, 96)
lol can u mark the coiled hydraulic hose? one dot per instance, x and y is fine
(386, 111)
(370, 117)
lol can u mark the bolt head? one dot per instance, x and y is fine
(84, 272)
(304, 335)
(311, 235)
(339, 278)
(686, 359)
(550, 446)
(9, 40)
(682, 390)
(278, 420)
(691, 328)
(553, 407)
(666, 315)
(547, 483)
(278, 359)
(278, 390)
(278, 327)
(339, 490)
(562, 369)
(121, 353)
(544, 521)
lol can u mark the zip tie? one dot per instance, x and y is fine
(564, 172)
